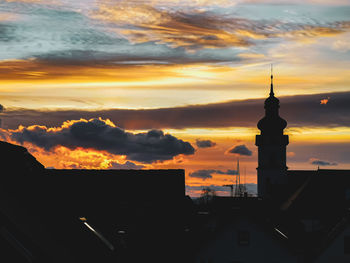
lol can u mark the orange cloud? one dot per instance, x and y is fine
(324, 101)
(290, 154)
(80, 158)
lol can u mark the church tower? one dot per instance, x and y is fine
(272, 143)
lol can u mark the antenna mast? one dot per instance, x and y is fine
(238, 189)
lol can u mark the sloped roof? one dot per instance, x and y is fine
(18, 158)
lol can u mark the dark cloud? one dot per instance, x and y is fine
(205, 174)
(102, 135)
(321, 163)
(7, 33)
(241, 150)
(126, 166)
(205, 143)
(115, 59)
(299, 111)
(231, 172)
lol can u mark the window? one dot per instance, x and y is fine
(243, 238)
(346, 244)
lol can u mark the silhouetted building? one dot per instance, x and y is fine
(272, 168)
(49, 215)
(298, 216)
(243, 230)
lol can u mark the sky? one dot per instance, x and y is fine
(162, 84)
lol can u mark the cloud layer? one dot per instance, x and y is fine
(103, 135)
(205, 174)
(299, 111)
(322, 162)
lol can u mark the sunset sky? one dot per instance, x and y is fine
(174, 83)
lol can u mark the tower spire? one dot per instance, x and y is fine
(271, 89)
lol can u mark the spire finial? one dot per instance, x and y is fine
(271, 89)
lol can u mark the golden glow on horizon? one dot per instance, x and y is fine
(321, 134)
(139, 86)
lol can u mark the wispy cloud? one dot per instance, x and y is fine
(206, 174)
(94, 35)
(204, 29)
(322, 162)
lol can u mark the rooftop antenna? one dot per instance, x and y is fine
(236, 185)
(243, 186)
(239, 174)
(238, 189)
(232, 194)
(245, 179)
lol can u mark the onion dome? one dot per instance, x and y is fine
(272, 122)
